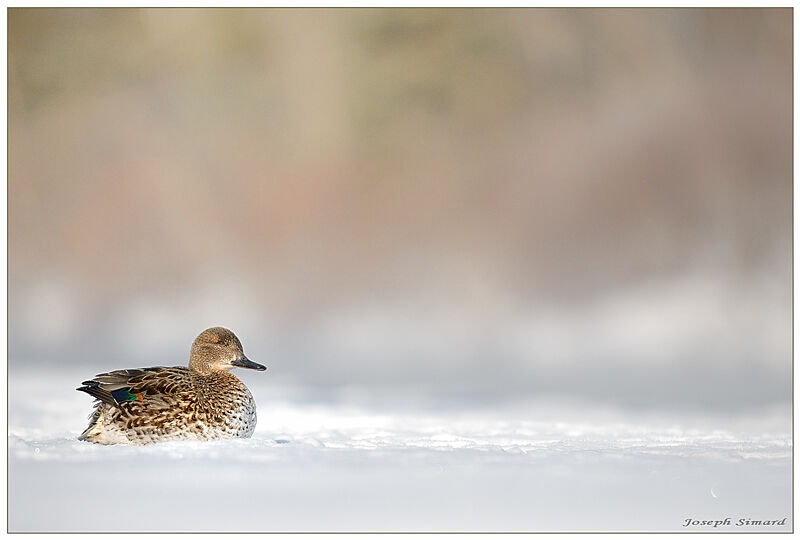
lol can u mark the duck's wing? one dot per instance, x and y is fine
(124, 385)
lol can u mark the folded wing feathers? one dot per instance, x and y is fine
(105, 385)
(94, 389)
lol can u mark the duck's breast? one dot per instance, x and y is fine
(241, 416)
(229, 407)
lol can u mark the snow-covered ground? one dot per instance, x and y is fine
(539, 466)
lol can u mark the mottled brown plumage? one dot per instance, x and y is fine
(203, 401)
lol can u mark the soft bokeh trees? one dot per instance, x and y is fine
(416, 196)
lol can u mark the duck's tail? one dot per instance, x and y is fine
(91, 433)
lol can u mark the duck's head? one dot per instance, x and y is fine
(218, 349)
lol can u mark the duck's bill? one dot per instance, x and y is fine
(245, 362)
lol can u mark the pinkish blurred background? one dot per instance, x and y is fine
(446, 207)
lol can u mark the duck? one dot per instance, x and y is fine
(203, 401)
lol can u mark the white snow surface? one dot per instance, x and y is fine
(538, 466)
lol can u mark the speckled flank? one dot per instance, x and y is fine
(204, 401)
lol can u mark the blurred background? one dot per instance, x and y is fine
(409, 207)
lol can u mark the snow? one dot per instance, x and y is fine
(332, 466)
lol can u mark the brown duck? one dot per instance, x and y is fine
(203, 401)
